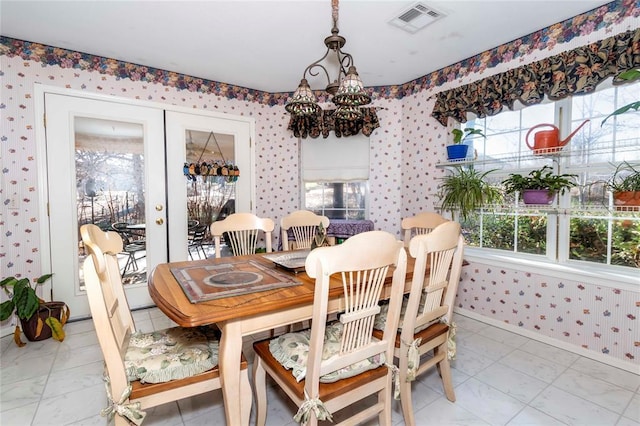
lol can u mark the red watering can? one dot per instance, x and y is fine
(548, 141)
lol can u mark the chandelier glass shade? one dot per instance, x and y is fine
(347, 88)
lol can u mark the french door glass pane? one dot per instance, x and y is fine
(109, 158)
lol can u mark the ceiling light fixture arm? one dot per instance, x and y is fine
(334, 44)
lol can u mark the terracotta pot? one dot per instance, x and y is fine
(626, 198)
(537, 196)
(47, 309)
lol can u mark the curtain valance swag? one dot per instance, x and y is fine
(574, 72)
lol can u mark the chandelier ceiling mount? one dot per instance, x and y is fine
(346, 88)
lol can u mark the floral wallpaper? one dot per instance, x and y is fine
(404, 179)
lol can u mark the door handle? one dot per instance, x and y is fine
(159, 221)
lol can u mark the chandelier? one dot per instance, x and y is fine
(347, 88)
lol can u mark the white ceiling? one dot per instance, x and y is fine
(266, 45)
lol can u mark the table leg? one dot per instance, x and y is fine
(229, 360)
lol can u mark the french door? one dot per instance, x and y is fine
(121, 165)
(105, 165)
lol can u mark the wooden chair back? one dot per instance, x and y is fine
(114, 325)
(429, 311)
(362, 264)
(242, 231)
(420, 224)
(303, 224)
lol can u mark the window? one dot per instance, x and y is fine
(335, 174)
(583, 225)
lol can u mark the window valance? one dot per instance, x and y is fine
(325, 121)
(574, 72)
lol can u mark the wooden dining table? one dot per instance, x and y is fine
(243, 314)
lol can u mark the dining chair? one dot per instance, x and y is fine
(143, 370)
(420, 224)
(241, 232)
(333, 365)
(303, 224)
(425, 322)
(131, 244)
(195, 240)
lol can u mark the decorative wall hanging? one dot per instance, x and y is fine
(214, 170)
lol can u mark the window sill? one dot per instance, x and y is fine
(603, 275)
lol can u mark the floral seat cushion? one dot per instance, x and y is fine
(381, 319)
(292, 349)
(170, 354)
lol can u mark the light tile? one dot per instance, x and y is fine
(79, 340)
(81, 377)
(33, 350)
(486, 402)
(75, 327)
(432, 379)
(532, 365)
(197, 406)
(633, 410)
(483, 345)
(69, 357)
(19, 416)
(470, 362)
(163, 415)
(442, 412)
(25, 368)
(595, 390)
(71, 407)
(571, 409)
(514, 383)
(625, 421)
(550, 353)
(532, 417)
(608, 373)
(496, 373)
(22, 393)
(504, 336)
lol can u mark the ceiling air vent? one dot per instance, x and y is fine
(416, 17)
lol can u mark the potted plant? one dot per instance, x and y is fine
(466, 190)
(39, 319)
(625, 185)
(539, 186)
(629, 75)
(458, 150)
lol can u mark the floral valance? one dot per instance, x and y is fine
(574, 72)
(325, 122)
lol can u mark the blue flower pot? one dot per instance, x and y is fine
(457, 152)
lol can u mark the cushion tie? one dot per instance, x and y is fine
(413, 358)
(304, 412)
(131, 411)
(396, 379)
(451, 341)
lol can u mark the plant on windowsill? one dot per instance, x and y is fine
(625, 185)
(466, 190)
(39, 319)
(539, 186)
(458, 150)
(629, 75)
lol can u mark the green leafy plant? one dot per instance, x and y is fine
(25, 303)
(543, 178)
(625, 178)
(629, 75)
(460, 135)
(466, 190)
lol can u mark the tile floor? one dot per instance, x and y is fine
(500, 379)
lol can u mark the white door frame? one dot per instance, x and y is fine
(41, 155)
